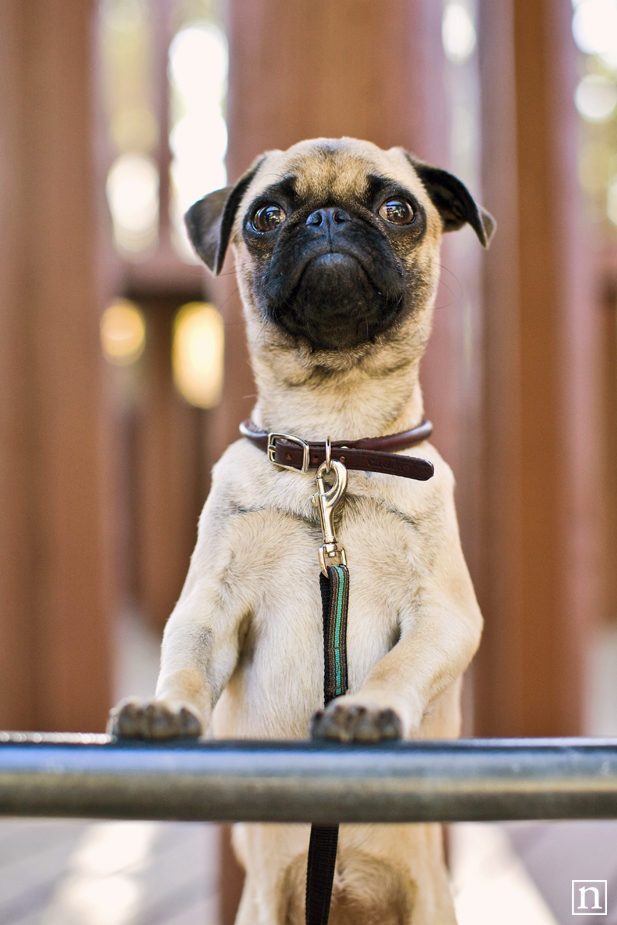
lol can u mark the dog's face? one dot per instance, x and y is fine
(337, 241)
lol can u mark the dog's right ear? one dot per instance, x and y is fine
(209, 221)
(453, 200)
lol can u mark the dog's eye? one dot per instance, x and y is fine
(397, 211)
(268, 217)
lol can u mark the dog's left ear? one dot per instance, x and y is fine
(209, 221)
(453, 201)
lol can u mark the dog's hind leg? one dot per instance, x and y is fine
(274, 857)
(248, 910)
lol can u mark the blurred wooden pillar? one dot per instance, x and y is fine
(54, 605)
(166, 486)
(367, 68)
(541, 425)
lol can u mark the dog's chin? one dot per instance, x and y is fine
(336, 306)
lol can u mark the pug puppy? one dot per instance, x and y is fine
(337, 256)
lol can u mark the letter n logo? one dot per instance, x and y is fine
(589, 897)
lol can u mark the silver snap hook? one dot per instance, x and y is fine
(325, 500)
(328, 454)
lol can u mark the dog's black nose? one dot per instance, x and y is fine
(328, 217)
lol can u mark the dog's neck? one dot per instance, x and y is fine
(374, 395)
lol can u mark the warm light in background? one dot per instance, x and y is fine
(198, 138)
(596, 167)
(596, 98)
(611, 201)
(594, 27)
(197, 88)
(133, 196)
(197, 354)
(458, 33)
(126, 16)
(123, 333)
(126, 48)
(134, 129)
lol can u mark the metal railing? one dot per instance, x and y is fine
(492, 779)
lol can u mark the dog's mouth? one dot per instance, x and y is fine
(338, 268)
(324, 257)
(335, 301)
(334, 260)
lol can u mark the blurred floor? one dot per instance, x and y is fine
(523, 872)
(107, 873)
(145, 873)
(71, 872)
(490, 882)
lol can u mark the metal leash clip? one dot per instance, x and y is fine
(326, 500)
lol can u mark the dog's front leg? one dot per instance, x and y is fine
(201, 640)
(197, 658)
(438, 640)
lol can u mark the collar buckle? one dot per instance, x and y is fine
(272, 438)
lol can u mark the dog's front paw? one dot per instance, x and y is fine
(341, 722)
(152, 719)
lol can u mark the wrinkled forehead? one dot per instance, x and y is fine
(335, 170)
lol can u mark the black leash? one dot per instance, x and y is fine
(324, 838)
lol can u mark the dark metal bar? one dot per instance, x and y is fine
(93, 776)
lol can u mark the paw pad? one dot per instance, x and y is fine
(153, 719)
(355, 723)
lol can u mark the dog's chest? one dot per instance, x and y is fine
(279, 677)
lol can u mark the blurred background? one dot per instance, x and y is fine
(123, 367)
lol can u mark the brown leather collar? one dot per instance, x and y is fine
(371, 454)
